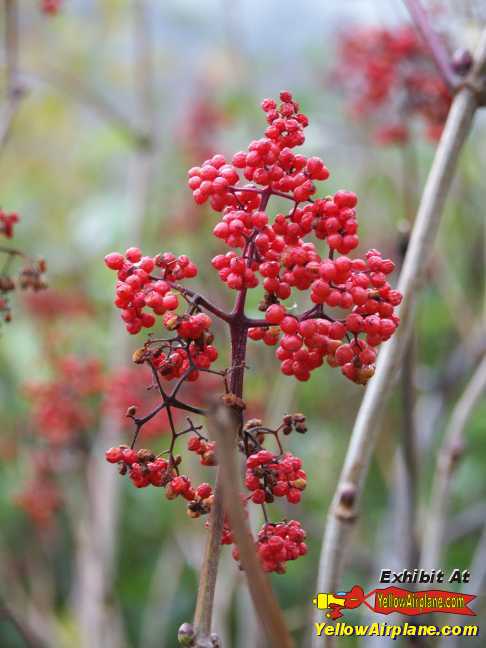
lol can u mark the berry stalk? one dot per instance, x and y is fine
(209, 569)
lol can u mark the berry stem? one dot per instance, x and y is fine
(209, 570)
(199, 300)
(313, 312)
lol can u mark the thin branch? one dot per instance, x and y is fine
(15, 92)
(466, 522)
(477, 585)
(449, 454)
(77, 89)
(407, 456)
(478, 565)
(200, 300)
(209, 571)
(344, 508)
(223, 430)
(30, 639)
(408, 451)
(434, 43)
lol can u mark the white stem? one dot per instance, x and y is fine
(100, 622)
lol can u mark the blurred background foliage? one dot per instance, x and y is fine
(80, 170)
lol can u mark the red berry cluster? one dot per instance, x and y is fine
(274, 249)
(137, 289)
(62, 408)
(277, 544)
(205, 449)
(63, 411)
(177, 361)
(51, 305)
(278, 252)
(69, 404)
(390, 78)
(201, 124)
(40, 498)
(268, 162)
(143, 467)
(146, 469)
(51, 7)
(30, 275)
(269, 476)
(7, 222)
(358, 284)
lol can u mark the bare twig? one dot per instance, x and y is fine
(467, 521)
(223, 429)
(449, 454)
(407, 456)
(209, 570)
(478, 565)
(85, 95)
(344, 508)
(15, 91)
(30, 639)
(434, 43)
(408, 452)
(477, 585)
(228, 580)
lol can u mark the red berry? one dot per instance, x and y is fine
(114, 455)
(114, 261)
(275, 314)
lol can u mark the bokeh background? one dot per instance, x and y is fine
(121, 97)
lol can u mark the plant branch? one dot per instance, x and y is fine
(478, 582)
(408, 450)
(15, 91)
(223, 428)
(78, 90)
(29, 638)
(199, 300)
(344, 508)
(209, 571)
(449, 454)
(434, 43)
(406, 529)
